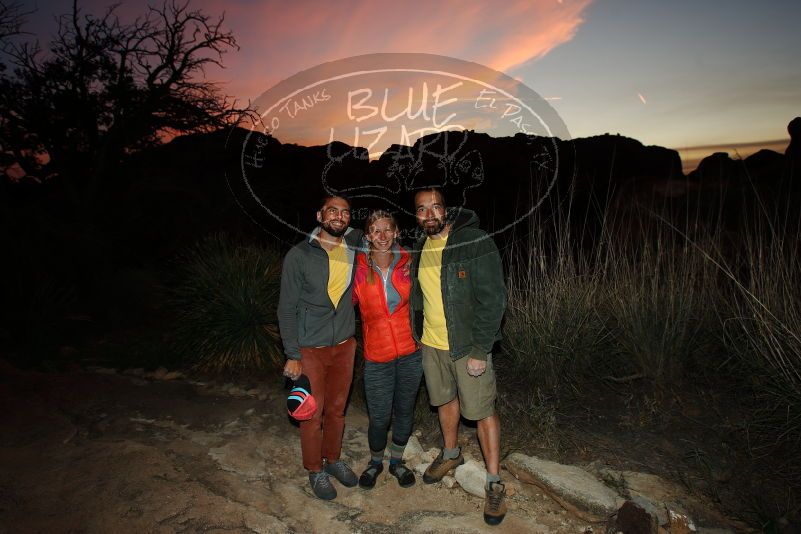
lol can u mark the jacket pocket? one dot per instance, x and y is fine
(459, 283)
(315, 326)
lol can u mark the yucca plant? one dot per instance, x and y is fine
(225, 306)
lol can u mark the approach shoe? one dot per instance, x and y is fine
(370, 475)
(440, 467)
(340, 471)
(321, 485)
(495, 504)
(404, 475)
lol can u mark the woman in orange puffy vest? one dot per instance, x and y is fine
(393, 362)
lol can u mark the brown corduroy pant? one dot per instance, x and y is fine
(330, 373)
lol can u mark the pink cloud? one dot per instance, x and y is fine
(278, 39)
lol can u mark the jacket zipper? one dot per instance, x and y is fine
(386, 305)
(350, 283)
(386, 309)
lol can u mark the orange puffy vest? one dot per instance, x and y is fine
(386, 336)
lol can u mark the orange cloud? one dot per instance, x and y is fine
(278, 39)
(526, 31)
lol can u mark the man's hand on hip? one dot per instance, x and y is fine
(476, 367)
(293, 369)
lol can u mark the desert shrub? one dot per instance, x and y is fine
(551, 330)
(657, 304)
(763, 333)
(628, 305)
(225, 305)
(554, 339)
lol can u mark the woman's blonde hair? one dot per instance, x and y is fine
(375, 216)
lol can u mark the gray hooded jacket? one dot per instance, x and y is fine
(306, 315)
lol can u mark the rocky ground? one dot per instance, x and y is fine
(98, 451)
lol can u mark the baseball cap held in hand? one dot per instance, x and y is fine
(300, 404)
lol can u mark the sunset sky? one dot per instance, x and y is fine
(681, 73)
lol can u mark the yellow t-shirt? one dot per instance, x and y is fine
(337, 272)
(435, 329)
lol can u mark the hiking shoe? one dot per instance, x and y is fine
(440, 467)
(321, 485)
(494, 504)
(402, 473)
(369, 476)
(340, 471)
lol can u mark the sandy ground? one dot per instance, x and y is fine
(94, 452)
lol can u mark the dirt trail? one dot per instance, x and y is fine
(91, 452)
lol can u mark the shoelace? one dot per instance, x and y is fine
(322, 480)
(339, 466)
(438, 461)
(494, 499)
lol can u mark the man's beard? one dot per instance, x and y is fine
(333, 232)
(435, 229)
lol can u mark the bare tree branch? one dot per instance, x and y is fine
(103, 88)
(12, 18)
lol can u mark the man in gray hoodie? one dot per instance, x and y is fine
(316, 318)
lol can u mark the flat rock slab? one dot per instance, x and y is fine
(571, 486)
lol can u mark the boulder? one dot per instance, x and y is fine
(664, 502)
(571, 486)
(679, 524)
(793, 151)
(413, 449)
(160, 373)
(657, 511)
(471, 476)
(792, 154)
(634, 519)
(421, 467)
(717, 168)
(172, 375)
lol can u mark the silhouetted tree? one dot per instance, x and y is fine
(104, 89)
(12, 18)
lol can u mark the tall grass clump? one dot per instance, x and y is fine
(551, 329)
(629, 305)
(553, 337)
(764, 333)
(658, 302)
(225, 306)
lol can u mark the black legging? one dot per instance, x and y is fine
(392, 387)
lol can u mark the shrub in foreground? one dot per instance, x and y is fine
(225, 306)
